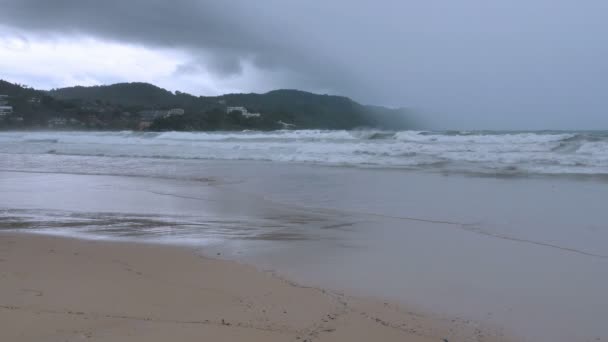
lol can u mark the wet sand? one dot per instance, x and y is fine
(528, 255)
(62, 289)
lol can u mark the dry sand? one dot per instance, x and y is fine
(59, 289)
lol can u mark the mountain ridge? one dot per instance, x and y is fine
(296, 108)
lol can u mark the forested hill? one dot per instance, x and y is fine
(127, 94)
(303, 109)
(123, 106)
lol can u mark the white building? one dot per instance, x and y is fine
(251, 115)
(243, 111)
(236, 109)
(34, 100)
(5, 111)
(175, 111)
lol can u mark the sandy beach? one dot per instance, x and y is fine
(443, 245)
(304, 171)
(61, 289)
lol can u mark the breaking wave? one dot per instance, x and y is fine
(480, 151)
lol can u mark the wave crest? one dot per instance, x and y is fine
(512, 152)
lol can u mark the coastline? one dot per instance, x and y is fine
(65, 289)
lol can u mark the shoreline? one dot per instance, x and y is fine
(68, 289)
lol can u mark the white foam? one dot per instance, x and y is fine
(527, 152)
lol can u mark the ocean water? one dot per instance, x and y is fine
(495, 153)
(506, 230)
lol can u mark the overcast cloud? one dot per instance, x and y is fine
(468, 64)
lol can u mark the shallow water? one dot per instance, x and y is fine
(529, 254)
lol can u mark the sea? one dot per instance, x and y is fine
(505, 230)
(486, 152)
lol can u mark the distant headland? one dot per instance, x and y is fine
(143, 106)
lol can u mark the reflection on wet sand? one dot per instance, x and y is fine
(488, 249)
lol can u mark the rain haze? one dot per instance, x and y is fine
(471, 64)
(401, 170)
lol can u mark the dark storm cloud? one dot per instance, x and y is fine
(184, 24)
(221, 35)
(466, 64)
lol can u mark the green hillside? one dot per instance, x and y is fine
(119, 106)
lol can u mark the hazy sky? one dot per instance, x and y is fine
(467, 64)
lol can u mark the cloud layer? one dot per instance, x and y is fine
(531, 64)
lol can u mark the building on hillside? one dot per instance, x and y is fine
(243, 111)
(174, 111)
(57, 122)
(34, 100)
(251, 115)
(5, 111)
(236, 109)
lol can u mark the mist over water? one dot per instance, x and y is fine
(486, 152)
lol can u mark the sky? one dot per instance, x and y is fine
(467, 64)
